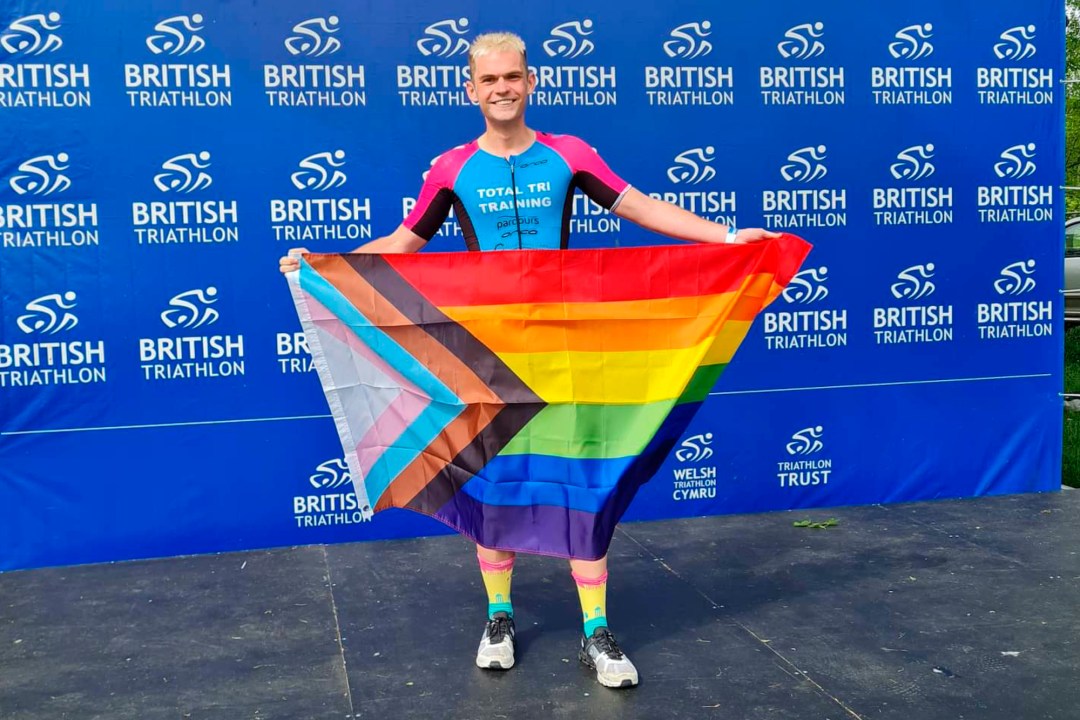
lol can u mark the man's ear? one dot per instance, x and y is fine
(470, 90)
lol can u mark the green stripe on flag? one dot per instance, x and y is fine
(701, 383)
(576, 431)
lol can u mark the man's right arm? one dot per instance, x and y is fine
(402, 240)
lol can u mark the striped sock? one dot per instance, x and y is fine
(592, 592)
(497, 576)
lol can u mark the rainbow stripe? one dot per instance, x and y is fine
(523, 397)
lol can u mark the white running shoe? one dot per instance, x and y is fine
(496, 651)
(602, 653)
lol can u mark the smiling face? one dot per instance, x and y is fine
(501, 84)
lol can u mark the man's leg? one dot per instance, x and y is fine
(496, 651)
(598, 647)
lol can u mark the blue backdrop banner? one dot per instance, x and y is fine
(156, 394)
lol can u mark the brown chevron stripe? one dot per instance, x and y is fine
(488, 443)
(464, 364)
(488, 366)
(379, 310)
(429, 464)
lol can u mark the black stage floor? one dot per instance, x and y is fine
(952, 609)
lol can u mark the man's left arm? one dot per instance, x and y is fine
(671, 220)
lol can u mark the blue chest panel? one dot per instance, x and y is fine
(516, 202)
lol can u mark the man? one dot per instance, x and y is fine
(512, 189)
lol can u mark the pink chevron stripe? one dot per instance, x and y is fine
(340, 332)
(398, 415)
(401, 413)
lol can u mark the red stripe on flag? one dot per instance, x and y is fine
(605, 275)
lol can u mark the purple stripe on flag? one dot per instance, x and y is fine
(538, 529)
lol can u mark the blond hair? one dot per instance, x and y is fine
(495, 42)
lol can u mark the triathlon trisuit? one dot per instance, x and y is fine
(524, 201)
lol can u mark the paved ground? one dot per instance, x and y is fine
(952, 609)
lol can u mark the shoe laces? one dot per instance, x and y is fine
(605, 643)
(497, 629)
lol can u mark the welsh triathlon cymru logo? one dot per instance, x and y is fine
(184, 173)
(570, 40)
(808, 286)
(320, 171)
(803, 42)
(693, 166)
(688, 41)
(41, 175)
(913, 163)
(191, 309)
(695, 448)
(914, 283)
(1016, 162)
(49, 314)
(177, 36)
(805, 165)
(32, 35)
(806, 441)
(445, 38)
(330, 475)
(1016, 279)
(1016, 43)
(314, 37)
(912, 42)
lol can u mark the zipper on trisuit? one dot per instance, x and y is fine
(513, 190)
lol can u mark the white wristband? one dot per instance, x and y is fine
(731, 234)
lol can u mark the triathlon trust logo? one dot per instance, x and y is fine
(805, 165)
(314, 37)
(184, 173)
(688, 41)
(320, 171)
(1016, 279)
(912, 42)
(41, 175)
(808, 286)
(445, 38)
(32, 35)
(914, 283)
(330, 475)
(806, 441)
(693, 166)
(49, 314)
(177, 36)
(803, 42)
(1016, 43)
(1016, 162)
(570, 40)
(695, 448)
(913, 163)
(191, 309)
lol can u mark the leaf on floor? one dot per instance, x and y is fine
(816, 524)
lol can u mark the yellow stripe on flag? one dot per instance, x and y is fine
(628, 377)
